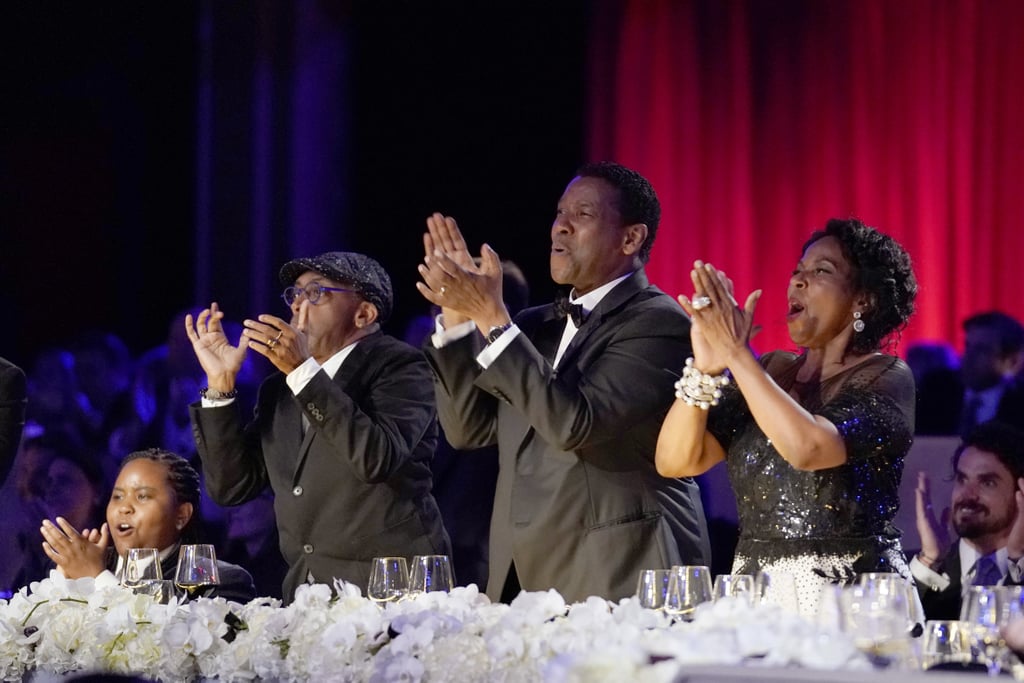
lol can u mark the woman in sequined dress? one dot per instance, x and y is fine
(813, 442)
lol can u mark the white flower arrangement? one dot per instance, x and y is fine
(58, 626)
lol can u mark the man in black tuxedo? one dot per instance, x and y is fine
(574, 402)
(987, 512)
(343, 433)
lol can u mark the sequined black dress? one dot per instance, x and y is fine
(828, 525)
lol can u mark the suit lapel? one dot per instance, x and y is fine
(608, 307)
(354, 363)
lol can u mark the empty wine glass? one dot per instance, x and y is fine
(985, 610)
(688, 587)
(197, 568)
(141, 566)
(875, 618)
(945, 642)
(890, 582)
(734, 586)
(777, 588)
(430, 573)
(389, 579)
(652, 587)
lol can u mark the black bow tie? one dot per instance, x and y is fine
(578, 314)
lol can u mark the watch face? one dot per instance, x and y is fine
(495, 332)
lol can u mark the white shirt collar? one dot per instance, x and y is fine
(591, 299)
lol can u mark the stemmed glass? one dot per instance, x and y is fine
(777, 588)
(197, 568)
(688, 587)
(734, 586)
(986, 609)
(389, 580)
(945, 643)
(875, 617)
(652, 587)
(891, 583)
(430, 573)
(141, 567)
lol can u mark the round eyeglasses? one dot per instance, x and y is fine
(313, 291)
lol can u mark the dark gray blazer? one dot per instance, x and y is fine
(12, 413)
(579, 506)
(357, 484)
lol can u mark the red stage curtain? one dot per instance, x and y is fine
(758, 120)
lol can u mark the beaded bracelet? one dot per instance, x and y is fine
(698, 389)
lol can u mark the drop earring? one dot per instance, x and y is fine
(858, 324)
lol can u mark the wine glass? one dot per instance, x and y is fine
(945, 642)
(688, 586)
(875, 618)
(985, 610)
(652, 587)
(141, 566)
(892, 583)
(430, 573)
(389, 579)
(777, 588)
(197, 568)
(734, 586)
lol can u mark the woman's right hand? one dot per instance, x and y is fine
(720, 327)
(77, 554)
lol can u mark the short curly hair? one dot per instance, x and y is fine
(638, 203)
(882, 270)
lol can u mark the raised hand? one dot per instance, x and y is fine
(219, 359)
(934, 531)
(284, 344)
(452, 280)
(78, 554)
(1015, 541)
(720, 327)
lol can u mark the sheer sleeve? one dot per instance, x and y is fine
(873, 409)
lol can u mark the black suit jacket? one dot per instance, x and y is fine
(357, 484)
(579, 505)
(944, 604)
(12, 413)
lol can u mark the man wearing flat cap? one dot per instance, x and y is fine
(344, 433)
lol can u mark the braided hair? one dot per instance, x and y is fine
(182, 477)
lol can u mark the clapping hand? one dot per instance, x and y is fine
(934, 532)
(719, 326)
(454, 281)
(1015, 541)
(76, 553)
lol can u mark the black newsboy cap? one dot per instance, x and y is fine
(361, 272)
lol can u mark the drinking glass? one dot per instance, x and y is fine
(389, 580)
(777, 588)
(430, 573)
(141, 566)
(945, 642)
(734, 586)
(652, 587)
(891, 583)
(688, 586)
(875, 618)
(197, 568)
(985, 610)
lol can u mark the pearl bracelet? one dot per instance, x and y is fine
(698, 389)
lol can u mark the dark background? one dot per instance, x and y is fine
(472, 109)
